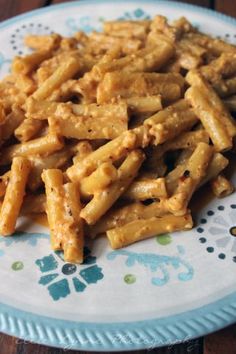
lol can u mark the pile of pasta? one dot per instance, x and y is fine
(113, 132)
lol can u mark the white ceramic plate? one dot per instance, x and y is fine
(156, 292)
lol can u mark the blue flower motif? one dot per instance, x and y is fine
(85, 23)
(157, 263)
(47, 263)
(68, 276)
(137, 14)
(217, 231)
(22, 236)
(19, 237)
(89, 24)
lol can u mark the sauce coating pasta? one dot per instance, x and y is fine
(112, 133)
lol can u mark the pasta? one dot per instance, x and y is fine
(63, 210)
(114, 132)
(14, 195)
(104, 198)
(141, 229)
(221, 186)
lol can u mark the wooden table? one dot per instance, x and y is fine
(221, 342)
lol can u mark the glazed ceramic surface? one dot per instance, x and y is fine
(160, 291)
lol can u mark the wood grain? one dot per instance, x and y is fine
(9, 8)
(228, 7)
(204, 3)
(12, 345)
(221, 342)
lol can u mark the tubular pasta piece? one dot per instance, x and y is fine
(221, 186)
(105, 198)
(14, 195)
(146, 189)
(40, 146)
(126, 214)
(24, 65)
(111, 151)
(142, 229)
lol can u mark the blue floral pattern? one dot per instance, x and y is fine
(137, 14)
(68, 276)
(22, 236)
(158, 264)
(217, 231)
(62, 279)
(88, 24)
(57, 281)
(85, 23)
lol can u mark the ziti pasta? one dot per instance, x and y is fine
(112, 133)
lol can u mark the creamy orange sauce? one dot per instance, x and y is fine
(40, 219)
(198, 202)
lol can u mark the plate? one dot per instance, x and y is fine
(157, 292)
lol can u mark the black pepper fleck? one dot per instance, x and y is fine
(186, 173)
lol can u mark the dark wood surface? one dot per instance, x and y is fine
(221, 342)
(226, 6)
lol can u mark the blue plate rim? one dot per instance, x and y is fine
(128, 335)
(172, 4)
(118, 336)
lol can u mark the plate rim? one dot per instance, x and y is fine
(138, 335)
(76, 3)
(99, 336)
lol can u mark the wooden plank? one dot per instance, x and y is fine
(204, 3)
(12, 345)
(228, 7)
(8, 344)
(223, 341)
(10, 8)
